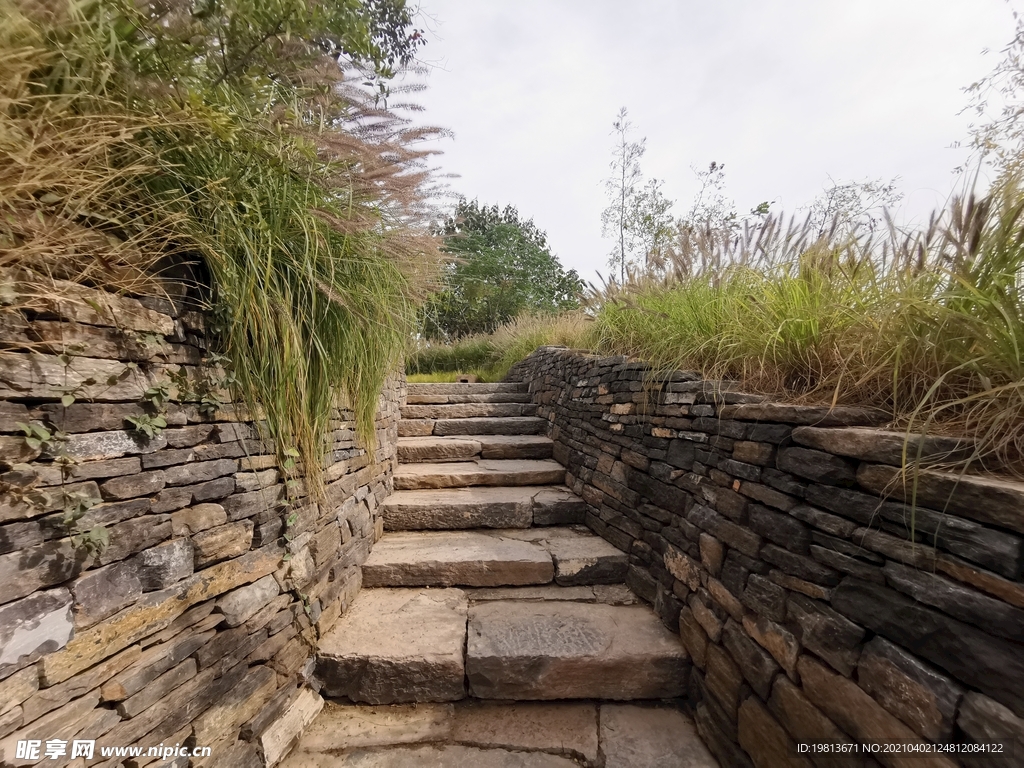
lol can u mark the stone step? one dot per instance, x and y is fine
(457, 448)
(397, 645)
(460, 474)
(451, 388)
(440, 398)
(485, 425)
(609, 594)
(482, 507)
(566, 556)
(468, 410)
(501, 734)
(546, 650)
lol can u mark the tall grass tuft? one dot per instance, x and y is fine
(928, 326)
(237, 136)
(491, 355)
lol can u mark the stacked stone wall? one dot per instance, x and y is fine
(196, 621)
(817, 603)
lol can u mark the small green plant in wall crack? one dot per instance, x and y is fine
(91, 541)
(147, 425)
(154, 422)
(40, 438)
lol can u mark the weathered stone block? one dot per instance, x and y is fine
(986, 722)
(223, 542)
(780, 528)
(40, 566)
(758, 667)
(994, 616)
(765, 740)
(985, 499)
(706, 618)
(918, 695)
(48, 699)
(284, 731)
(135, 535)
(32, 627)
(241, 604)
(157, 689)
(817, 466)
(807, 725)
(131, 486)
(237, 705)
(726, 599)
(860, 715)
(723, 680)
(776, 639)
(201, 517)
(200, 471)
(711, 554)
(148, 615)
(34, 375)
(765, 598)
(694, 637)
(104, 592)
(369, 655)
(837, 526)
(96, 446)
(969, 654)
(165, 564)
(18, 687)
(682, 567)
(633, 736)
(809, 415)
(743, 539)
(882, 446)
(832, 636)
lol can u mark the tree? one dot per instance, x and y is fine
(503, 268)
(637, 216)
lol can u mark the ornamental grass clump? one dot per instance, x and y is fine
(239, 135)
(928, 326)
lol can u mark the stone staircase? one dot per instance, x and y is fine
(486, 584)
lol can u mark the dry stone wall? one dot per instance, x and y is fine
(197, 622)
(816, 604)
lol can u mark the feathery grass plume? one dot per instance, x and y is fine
(237, 134)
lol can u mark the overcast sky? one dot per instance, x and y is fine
(785, 93)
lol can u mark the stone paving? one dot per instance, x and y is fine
(473, 734)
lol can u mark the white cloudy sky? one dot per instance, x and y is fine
(785, 93)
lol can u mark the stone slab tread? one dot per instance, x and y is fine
(460, 474)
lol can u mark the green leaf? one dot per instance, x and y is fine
(67, 400)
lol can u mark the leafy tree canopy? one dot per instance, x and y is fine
(502, 268)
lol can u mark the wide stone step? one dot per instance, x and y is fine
(397, 645)
(484, 425)
(547, 650)
(482, 507)
(432, 448)
(501, 734)
(439, 398)
(460, 474)
(468, 410)
(452, 388)
(566, 556)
